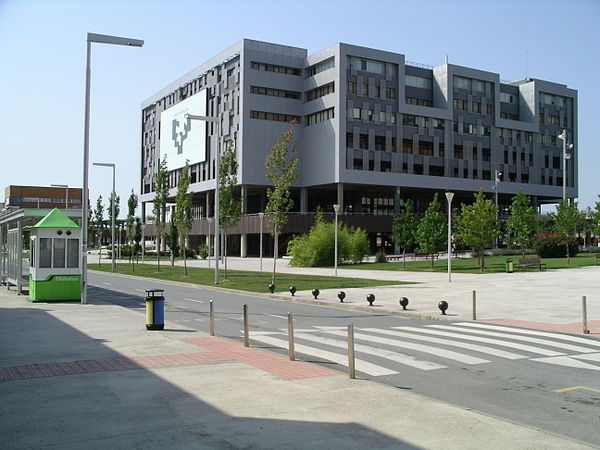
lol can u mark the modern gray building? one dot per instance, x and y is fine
(373, 130)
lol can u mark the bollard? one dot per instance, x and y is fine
(403, 302)
(291, 350)
(370, 299)
(351, 367)
(212, 318)
(271, 287)
(246, 338)
(474, 305)
(443, 305)
(316, 292)
(341, 296)
(584, 310)
(292, 290)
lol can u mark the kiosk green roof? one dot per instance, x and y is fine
(56, 219)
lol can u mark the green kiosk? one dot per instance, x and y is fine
(54, 259)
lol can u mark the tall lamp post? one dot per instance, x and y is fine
(565, 157)
(209, 220)
(66, 186)
(261, 215)
(190, 117)
(336, 208)
(449, 197)
(97, 39)
(113, 196)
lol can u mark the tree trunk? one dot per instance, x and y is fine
(404, 258)
(225, 252)
(158, 252)
(275, 255)
(568, 256)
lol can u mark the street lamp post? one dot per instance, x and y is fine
(261, 215)
(336, 208)
(209, 220)
(565, 157)
(190, 117)
(449, 196)
(98, 39)
(66, 186)
(113, 196)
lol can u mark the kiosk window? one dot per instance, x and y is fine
(45, 253)
(72, 253)
(32, 254)
(59, 253)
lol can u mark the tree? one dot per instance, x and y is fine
(99, 223)
(477, 225)
(230, 207)
(431, 235)
(281, 172)
(596, 219)
(110, 218)
(567, 218)
(521, 223)
(403, 230)
(137, 238)
(161, 193)
(132, 204)
(173, 240)
(183, 206)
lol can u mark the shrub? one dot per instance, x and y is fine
(203, 251)
(380, 257)
(550, 245)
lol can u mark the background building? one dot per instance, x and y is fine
(47, 197)
(374, 132)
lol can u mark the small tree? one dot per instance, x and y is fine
(137, 238)
(132, 204)
(595, 225)
(281, 172)
(477, 225)
(521, 223)
(99, 222)
(404, 229)
(183, 206)
(173, 240)
(161, 193)
(431, 231)
(230, 207)
(567, 218)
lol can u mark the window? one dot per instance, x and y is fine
(462, 83)
(504, 115)
(319, 92)
(438, 124)
(350, 140)
(489, 109)
(45, 253)
(72, 253)
(356, 113)
(390, 93)
(426, 148)
(382, 116)
(458, 151)
(320, 116)
(352, 87)
(380, 143)
(320, 67)
(441, 149)
(365, 89)
(507, 98)
(476, 107)
(371, 65)
(263, 115)
(370, 115)
(274, 68)
(554, 120)
(393, 118)
(549, 99)
(364, 141)
(418, 82)
(58, 254)
(409, 120)
(418, 102)
(376, 91)
(407, 146)
(460, 104)
(274, 92)
(529, 136)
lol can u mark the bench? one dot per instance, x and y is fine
(426, 256)
(524, 263)
(460, 253)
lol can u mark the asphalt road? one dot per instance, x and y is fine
(509, 373)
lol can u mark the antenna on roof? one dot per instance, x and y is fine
(446, 58)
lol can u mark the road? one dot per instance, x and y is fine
(543, 379)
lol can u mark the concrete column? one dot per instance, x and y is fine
(303, 200)
(243, 245)
(19, 257)
(397, 201)
(340, 196)
(143, 212)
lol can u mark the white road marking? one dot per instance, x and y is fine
(276, 316)
(588, 357)
(474, 347)
(548, 343)
(106, 282)
(192, 300)
(567, 361)
(362, 366)
(374, 351)
(140, 290)
(516, 345)
(564, 337)
(448, 354)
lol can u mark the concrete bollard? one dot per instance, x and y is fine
(246, 337)
(474, 305)
(291, 349)
(443, 305)
(271, 288)
(351, 367)
(403, 302)
(370, 299)
(212, 318)
(292, 290)
(316, 293)
(341, 295)
(584, 311)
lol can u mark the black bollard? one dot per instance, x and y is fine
(316, 293)
(370, 299)
(271, 287)
(403, 302)
(443, 305)
(341, 296)
(292, 290)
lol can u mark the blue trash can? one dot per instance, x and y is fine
(155, 309)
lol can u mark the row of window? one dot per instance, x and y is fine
(275, 68)
(58, 253)
(418, 82)
(274, 92)
(471, 128)
(370, 115)
(461, 104)
(320, 116)
(320, 67)
(418, 101)
(19, 200)
(320, 91)
(550, 99)
(390, 93)
(554, 119)
(363, 142)
(415, 121)
(505, 97)
(278, 117)
(371, 65)
(471, 84)
(504, 115)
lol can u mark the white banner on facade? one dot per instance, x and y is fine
(182, 139)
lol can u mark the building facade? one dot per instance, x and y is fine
(46, 197)
(373, 131)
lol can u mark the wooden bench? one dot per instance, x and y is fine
(426, 256)
(524, 263)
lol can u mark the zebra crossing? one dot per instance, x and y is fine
(437, 346)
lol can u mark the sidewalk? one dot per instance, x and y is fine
(550, 299)
(90, 376)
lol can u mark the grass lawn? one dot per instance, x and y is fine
(243, 280)
(493, 264)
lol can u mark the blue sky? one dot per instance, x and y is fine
(42, 65)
